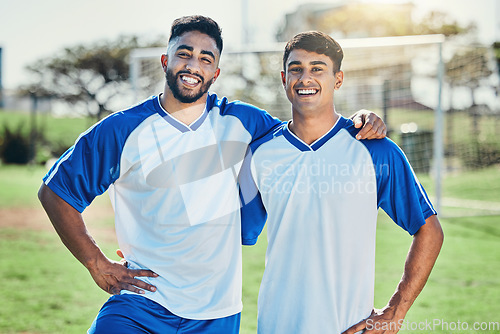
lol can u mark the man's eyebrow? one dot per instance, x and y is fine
(185, 47)
(208, 53)
(314, 62)
(294, 62)
(190, 48)
(318, 62)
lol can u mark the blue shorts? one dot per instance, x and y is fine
(127, 313)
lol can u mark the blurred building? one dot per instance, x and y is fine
(1, 85)
(349, 19)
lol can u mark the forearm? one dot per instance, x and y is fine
(70, 227)
(111, 276)
(420, 260)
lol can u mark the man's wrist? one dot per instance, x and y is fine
(94, 262)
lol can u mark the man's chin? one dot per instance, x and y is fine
(188, 98)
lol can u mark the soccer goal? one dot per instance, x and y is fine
(400, 78)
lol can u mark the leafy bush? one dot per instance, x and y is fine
(14, 146)
(476, 154)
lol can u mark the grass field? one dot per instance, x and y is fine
(45, 290)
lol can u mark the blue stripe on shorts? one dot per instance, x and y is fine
(128, 313)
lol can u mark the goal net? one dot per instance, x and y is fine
(404, 79)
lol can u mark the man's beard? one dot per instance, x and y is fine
(186, 97)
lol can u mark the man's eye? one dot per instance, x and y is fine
(207, 60)
(295, 70)
(317, 69)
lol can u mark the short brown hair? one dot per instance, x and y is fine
(315, 41)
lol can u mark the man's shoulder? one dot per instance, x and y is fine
(256, 121)
(132, 115)
(234, 107)
(382, 147)
(269, 139)
(117, 126)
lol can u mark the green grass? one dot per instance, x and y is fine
(19, 185)
(45, 290)
(459, 124)
(464, 283)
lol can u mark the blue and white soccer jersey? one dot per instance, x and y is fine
(174, 191)
(322, 201)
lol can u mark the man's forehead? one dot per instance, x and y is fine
(194, 40)
(302, 56)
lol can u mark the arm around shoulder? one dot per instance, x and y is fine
(372, 126)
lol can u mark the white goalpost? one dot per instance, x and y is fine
(401, 78)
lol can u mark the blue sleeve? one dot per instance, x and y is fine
(399, 193)
(90, 166)
(253, 219)
(256, 121)
(253, 212)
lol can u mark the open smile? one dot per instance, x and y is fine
(190, 80)
(307, 91)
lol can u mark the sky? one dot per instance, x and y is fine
(35, 29)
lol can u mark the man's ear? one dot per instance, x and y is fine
(216, 75)
(164, 60)
(283, 78)
(339, 79)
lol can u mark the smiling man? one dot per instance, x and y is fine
(170, 165)
(321, 189)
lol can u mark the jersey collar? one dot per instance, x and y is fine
(302, 146)
(176, 123)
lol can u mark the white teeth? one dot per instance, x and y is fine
(307, 91)
(190, 80)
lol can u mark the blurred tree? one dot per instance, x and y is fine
(441, 23)
(354, 20)
(368, 20)
(467, 69)
(93, 75)
(496, 50)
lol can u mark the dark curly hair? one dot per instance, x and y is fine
(315, 41)
(199, 23)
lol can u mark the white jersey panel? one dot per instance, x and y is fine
(175, 194)
(317, 201)
(185, 218)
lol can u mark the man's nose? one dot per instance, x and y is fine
(193, 65)
(305, 77)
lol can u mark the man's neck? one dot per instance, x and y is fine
(185, 113)
(310, 129)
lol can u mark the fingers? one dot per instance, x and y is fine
(356, 328)
(142, 272)
(137, 286)
(123, 262)
(131, 283)
(374, 128)
(114, 277)
(358, 120)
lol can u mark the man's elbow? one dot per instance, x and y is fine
(432, 230)
(41, 193)
(45, 195)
